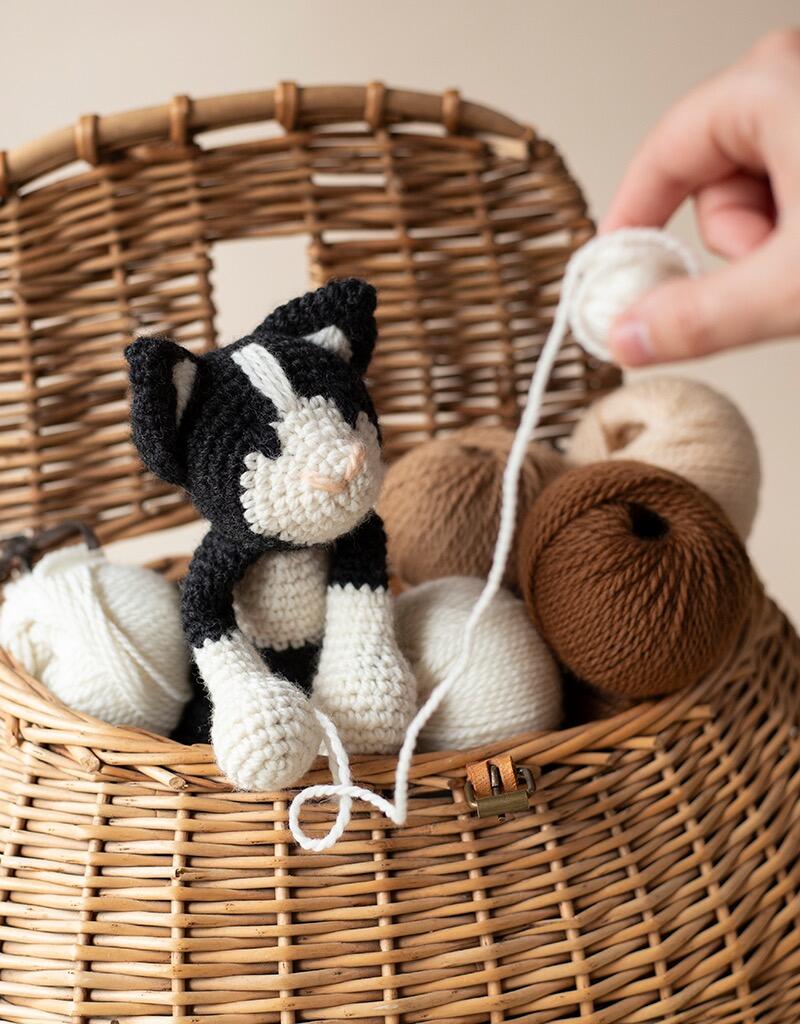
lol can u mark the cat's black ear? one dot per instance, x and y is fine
(162, 377)
(339, 317)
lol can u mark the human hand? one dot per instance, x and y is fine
(732, 145)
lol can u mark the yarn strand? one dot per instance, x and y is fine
(667, 257)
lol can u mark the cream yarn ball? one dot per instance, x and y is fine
(105, 639)
(683, 426)
(611, 272)
(512, 685)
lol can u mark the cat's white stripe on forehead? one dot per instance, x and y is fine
(267, 375)
(333, 339)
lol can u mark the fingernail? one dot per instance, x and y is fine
(631, 343)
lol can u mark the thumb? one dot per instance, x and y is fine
(752, 299)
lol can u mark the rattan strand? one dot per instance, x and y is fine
(655, 878)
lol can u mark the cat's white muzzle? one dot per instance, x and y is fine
(324, 482)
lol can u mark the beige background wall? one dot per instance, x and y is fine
(591, 75)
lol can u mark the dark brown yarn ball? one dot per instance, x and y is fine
(440, 503)
(634, 577)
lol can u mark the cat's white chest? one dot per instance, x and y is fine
(280, 601)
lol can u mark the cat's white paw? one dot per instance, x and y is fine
(264, 731)
(363, 682)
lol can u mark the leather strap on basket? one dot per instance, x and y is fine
(479, 775)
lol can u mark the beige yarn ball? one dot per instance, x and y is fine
(440, 503)
(512, 685)
(683, 426)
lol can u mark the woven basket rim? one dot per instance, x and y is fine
(85, 743)
(184, 117)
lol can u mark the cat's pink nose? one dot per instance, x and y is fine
(356, 458)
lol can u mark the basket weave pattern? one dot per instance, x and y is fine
(655, 877)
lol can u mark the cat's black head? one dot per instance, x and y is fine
(274, 435)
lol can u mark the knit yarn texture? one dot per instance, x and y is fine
(512, 684)
(683, 426)
(105, 639)
(634, 577)
(440, 503)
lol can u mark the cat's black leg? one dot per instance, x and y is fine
(194, 725)
(207, 602)
(297, 664)
(207, 609)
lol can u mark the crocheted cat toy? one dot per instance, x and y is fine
(276, 441)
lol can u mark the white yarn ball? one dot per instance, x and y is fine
(512, 684)
(105, 639)
(683, 426)
(614, 270)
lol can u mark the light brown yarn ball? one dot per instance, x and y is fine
(634, 577)
(683, 426)
(440, 503)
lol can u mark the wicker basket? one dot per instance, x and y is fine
(654, 876)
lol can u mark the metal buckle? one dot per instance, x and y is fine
(501, 802)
